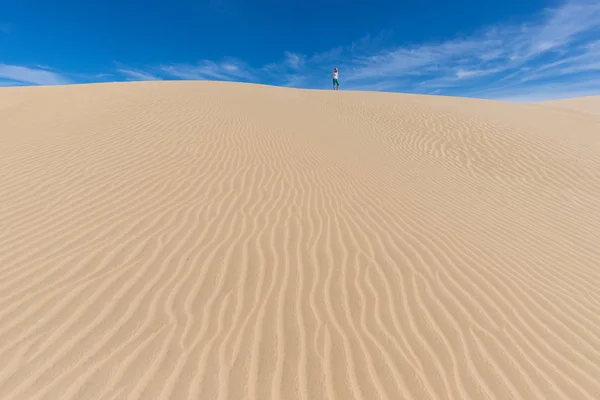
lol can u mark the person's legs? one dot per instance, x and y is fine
(336, 84)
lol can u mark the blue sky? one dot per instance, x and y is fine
(509, 50)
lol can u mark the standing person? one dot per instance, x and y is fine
(336, 83)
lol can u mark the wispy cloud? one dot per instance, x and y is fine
(548, 91)
(137, 75)
(226, 70)
(31, 76)
(293, 60)
(558, 44)
(550, 55)
(9, 83)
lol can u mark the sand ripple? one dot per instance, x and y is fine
(226, 241)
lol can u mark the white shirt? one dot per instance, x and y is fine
(334, 75)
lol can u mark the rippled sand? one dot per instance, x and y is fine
(197, 240)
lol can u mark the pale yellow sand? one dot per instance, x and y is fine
(590, 105)
(181, 240)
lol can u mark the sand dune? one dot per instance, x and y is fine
(190, 240)
(589, 105)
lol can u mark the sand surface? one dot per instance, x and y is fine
(190, 240)
(590, 105)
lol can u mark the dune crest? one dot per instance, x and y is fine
(198, 240)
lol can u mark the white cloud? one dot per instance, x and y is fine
(226, 70)
(33, 76)
(493, 50)
(9, 83)
(230, 68)
(294, 60)
(138, 75)
(548, 91)
(563, 24)
(557, 44)
(555, 50)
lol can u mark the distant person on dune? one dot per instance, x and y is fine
(336, 83)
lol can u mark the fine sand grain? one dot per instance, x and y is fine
(197, 240)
